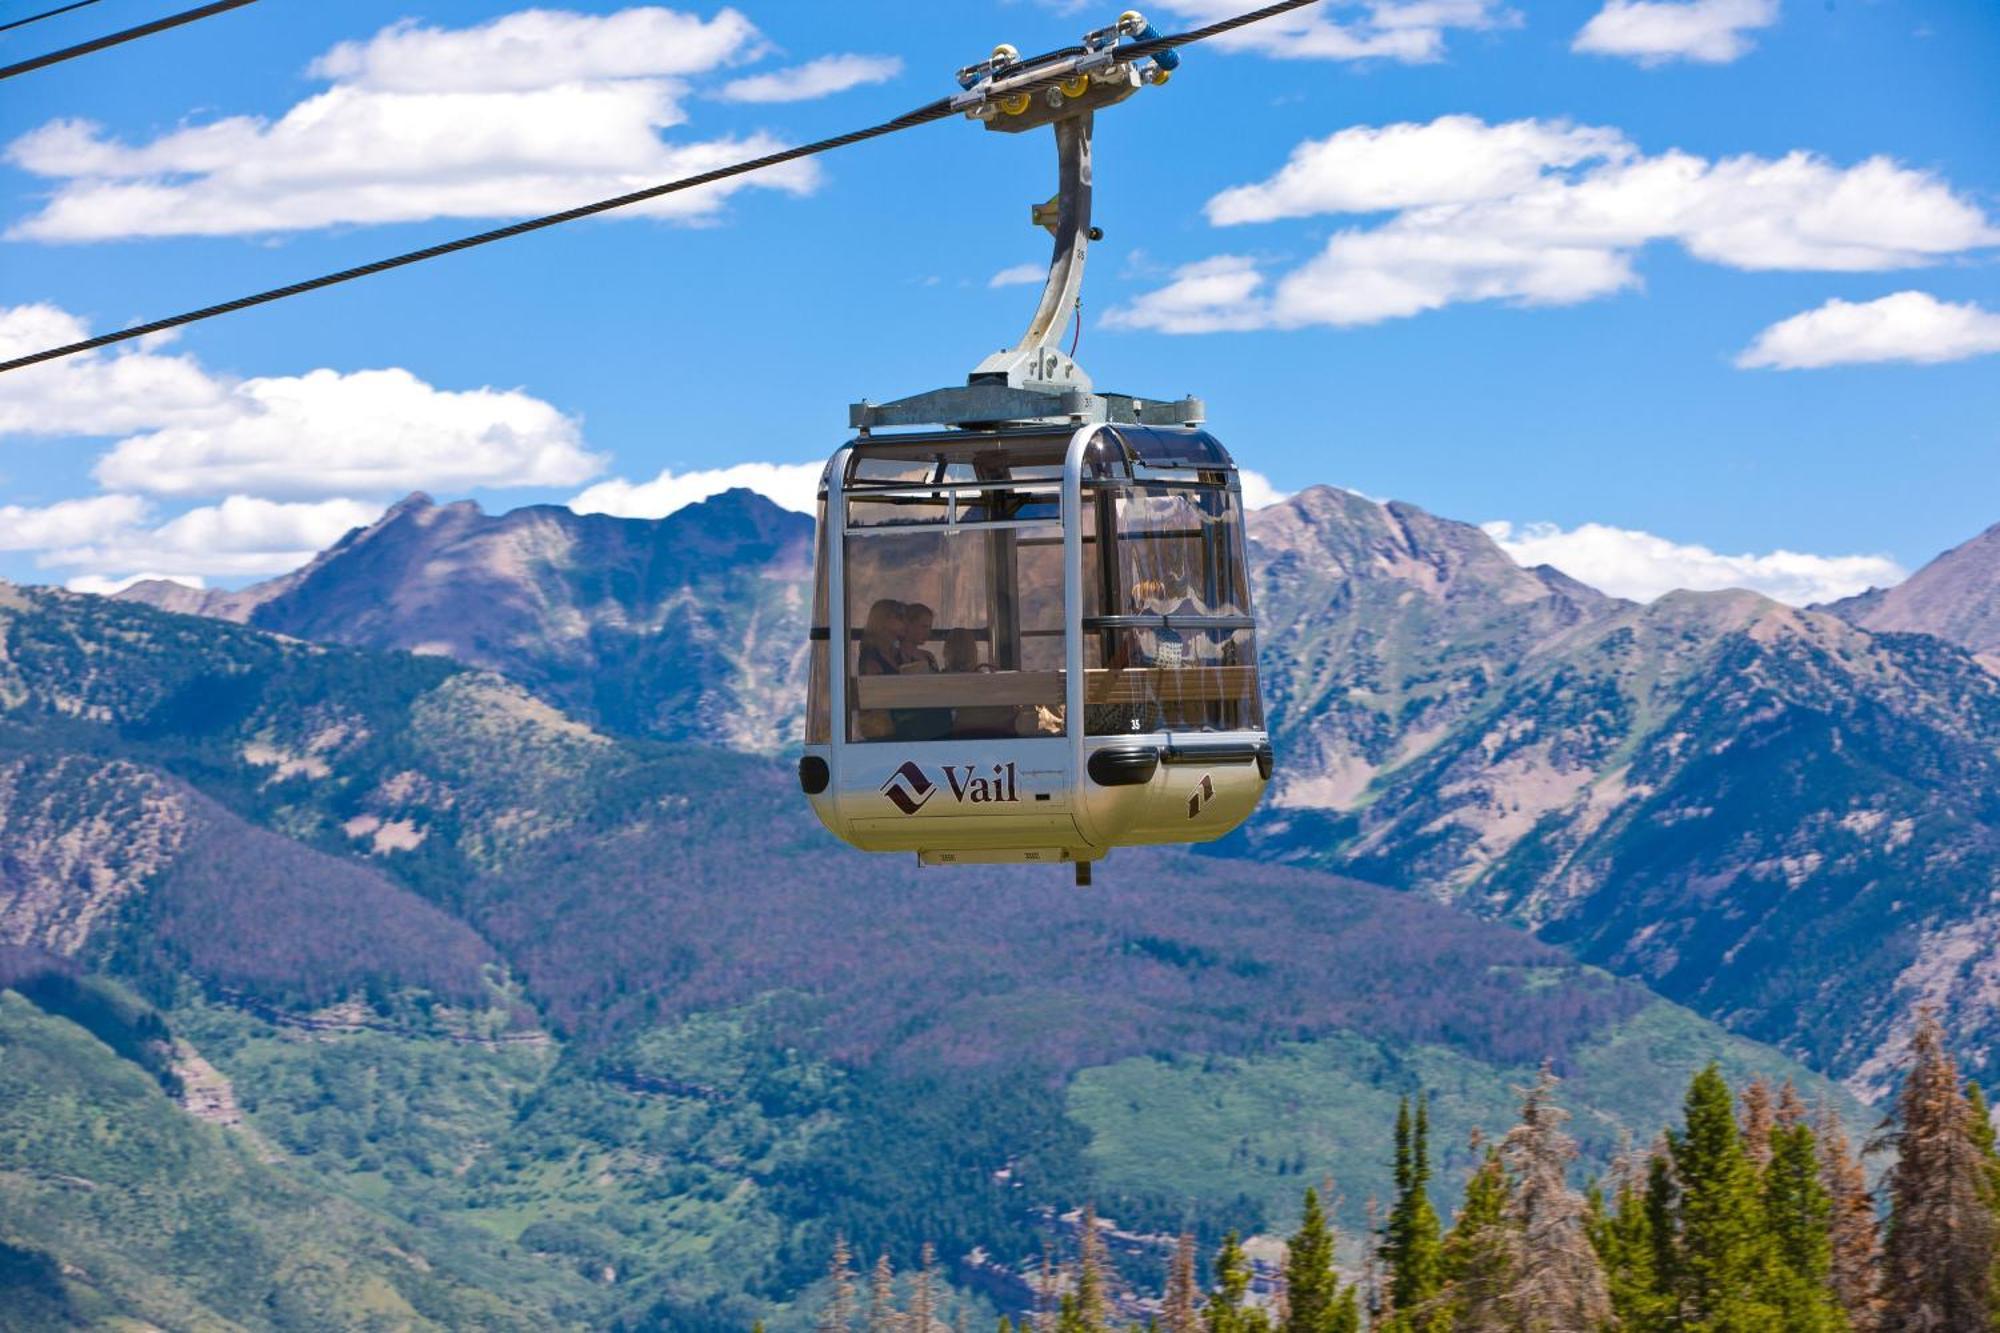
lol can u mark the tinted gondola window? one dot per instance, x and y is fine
(1169, 640)
(819, 703)
(953, 568)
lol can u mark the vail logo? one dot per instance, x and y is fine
(910, 789)
(1204, 792)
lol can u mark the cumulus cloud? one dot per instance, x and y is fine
(816, 78)
(1654, 31)
(106, 538)
(1020, 275)
(1451, 160)
(241, 537)
(93, 394)
(1258, 490)
(68, 522)
(538, 48)
(188, 432)
(1543, 212)
(369, 431)
(1642, 566)
(1410, 31)
(112, 585)
(789, 485)
(1908, 326)
(530, 113)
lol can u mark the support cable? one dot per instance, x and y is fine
(939, 110)
(116, 38)
(45, 14)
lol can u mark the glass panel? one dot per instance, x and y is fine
(1169, 643)
(819, 703)
(1114, 452)
(956, 634)
(899, 511)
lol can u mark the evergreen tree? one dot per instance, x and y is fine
(1315, 1300)
(1087, 1309)
(1183, 1294)
(1981, 1117)
(1938, 1259)
(882, 1316)
(1798, 1215)
(924, 1291)
(1791, 1107)
(1559, 1286)
(1663, 1202)
(1723, 1268)
(1854, 1249)
(1759, 1118)
(1481, 1255)
(837, 1316)
(1412, 1246)
(1621, 1230)
(1227, 1310)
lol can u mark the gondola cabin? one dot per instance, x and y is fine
(1033, 645)
(1032, 637)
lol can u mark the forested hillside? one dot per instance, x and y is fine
(616, 1014)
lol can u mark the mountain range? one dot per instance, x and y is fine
(458, 882)
(604, 1029)
(1788, 819)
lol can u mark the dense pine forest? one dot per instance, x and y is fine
(1754, 1215)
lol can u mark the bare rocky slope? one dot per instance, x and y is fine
(1955, 597)
(636, 625)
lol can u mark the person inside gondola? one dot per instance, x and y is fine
(879, 654)
(911, 655)
(976, 722)
(913, 659)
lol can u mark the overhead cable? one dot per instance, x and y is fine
(939, 110)
(45, 14)
(118, 38)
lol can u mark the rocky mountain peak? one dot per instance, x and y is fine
(1956, 597)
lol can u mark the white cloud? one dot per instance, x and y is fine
(1543, 212)
(187, 432)
(1020, 275)
(93, 394)
(1642, 566)
(531, 113)
(816, 78)
(68, 522)
(111, 586)
(1654, 31)
(538, 48)
(109, 537)
(789, 485)
(1258, 490)
(1412, 31)
(1908, 326)
(241, 537)
(1213, 296)
(366, 432)
(1451, 160)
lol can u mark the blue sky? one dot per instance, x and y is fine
(1683, 291)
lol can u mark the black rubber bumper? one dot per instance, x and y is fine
(813, 775)
(1124, 765)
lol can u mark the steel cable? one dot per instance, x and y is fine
(119, 38)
